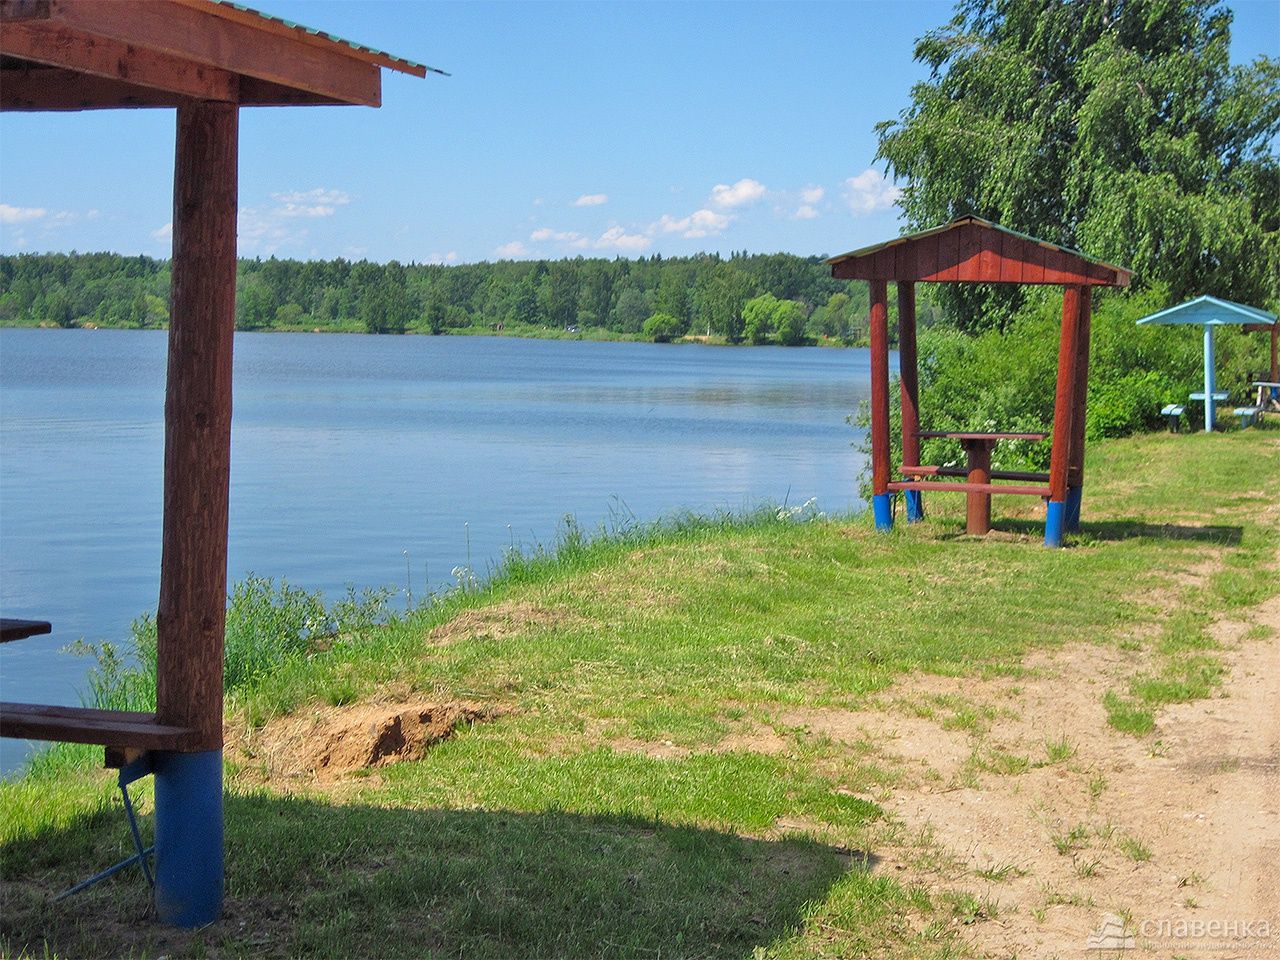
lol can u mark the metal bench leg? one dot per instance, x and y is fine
(915, 506)
(882, 509)
(1071, 522)
(1054, 522)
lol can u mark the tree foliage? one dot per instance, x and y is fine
(1114, 126)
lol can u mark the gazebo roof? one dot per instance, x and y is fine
(972, 250)
(98, 54)
(1211, 310)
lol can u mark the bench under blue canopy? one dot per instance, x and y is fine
(1210, 312)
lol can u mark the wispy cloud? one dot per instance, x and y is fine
(543, 234)
(700, 223)
(268, 228)
(10, 214)
(870, 191)
(515, 248)
(163, 233)
(616, 238)
(439, 259)
(806, 212)
(812, 194)
(745, 191)
(310, 203)
(591, 200)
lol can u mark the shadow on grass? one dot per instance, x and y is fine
(306, 877)
(1115, 530)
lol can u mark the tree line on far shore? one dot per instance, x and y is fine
(744, 298)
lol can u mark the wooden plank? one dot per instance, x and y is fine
(49, 43)
(190, 34)
(990, 254)
(879, 387)
(923, 470)
(969, 269)
(197, 452)
(944, 487)
(53, 88)
(1012, 253)
(109, 728)
(980, 435)
(1064, 396)
(1033, 264)
(948, 256)
(14, 629)
(12, 11)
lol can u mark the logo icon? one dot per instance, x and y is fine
(1112, 934)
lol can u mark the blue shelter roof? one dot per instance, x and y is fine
(1210, 310)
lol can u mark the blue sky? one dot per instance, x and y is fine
(594, 129)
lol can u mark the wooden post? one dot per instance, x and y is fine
(197, 465)
(978, 505)
(909, 381)
(1075, 466)
(880, 404)
(1063, 407)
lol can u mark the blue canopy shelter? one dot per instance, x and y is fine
(1210, 312)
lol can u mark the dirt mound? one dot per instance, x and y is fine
(331, 741)
(500, 620)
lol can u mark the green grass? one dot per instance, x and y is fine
(617, 808)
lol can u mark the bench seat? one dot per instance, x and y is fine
(942, 487)
(108, 728)
(923, 470)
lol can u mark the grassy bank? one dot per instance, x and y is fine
(653, 785)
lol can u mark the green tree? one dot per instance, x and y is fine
(663, 328)
(789, 321)
(720, 298)
(1115, 126)
(758, 317)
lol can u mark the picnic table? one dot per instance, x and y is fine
(11, 629)
(978, 474)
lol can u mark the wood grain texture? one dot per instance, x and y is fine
(879, 386)
(944, 487)
(1064, 401)
(1075, 466)
(908, 374)
(197, 454)
(113, 728)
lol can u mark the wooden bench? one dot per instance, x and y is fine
(107, 728)
(11, 629)
(978, 474)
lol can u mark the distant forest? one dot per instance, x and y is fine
(757, 298)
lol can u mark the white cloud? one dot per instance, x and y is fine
(93, 214)
(163, 233)
(616, 238)
(443, 258)
(700, 223)
(806, 212)
(591, 200)
(310, 203)
(744, 191)
(515, 248)
(870, 191)
(10, 214)
(559, 236)
(812, 194)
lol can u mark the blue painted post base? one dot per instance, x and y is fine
(1054, 520)
(188, 837)
(915, 506)
(882, 509)
(1074, 496)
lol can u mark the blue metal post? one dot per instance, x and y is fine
(188, 837)
(1054, 520)
(1209, 381)
(915, 506)
(882, 509)
(1072, 520)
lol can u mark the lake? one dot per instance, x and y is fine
(351, 451)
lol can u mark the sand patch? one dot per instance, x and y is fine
(329, 742)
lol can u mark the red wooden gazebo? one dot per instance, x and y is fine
(207, 60)
(972, 250)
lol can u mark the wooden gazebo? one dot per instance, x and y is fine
(206, 59)
(972, 250)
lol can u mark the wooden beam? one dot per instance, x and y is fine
(11, 11)
(53, 88)
(1075, 467)
(943, 487)
(49, 43)
(908, 374)
(879, 387)
(1064, 397)
(197, 414)
(235, 47)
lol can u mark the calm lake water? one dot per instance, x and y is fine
(349, 451)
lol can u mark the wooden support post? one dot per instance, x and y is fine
(978, 504)
(1075, 466)
(1063, 407)
(909, 381)
(880, 405)
(197, 466)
